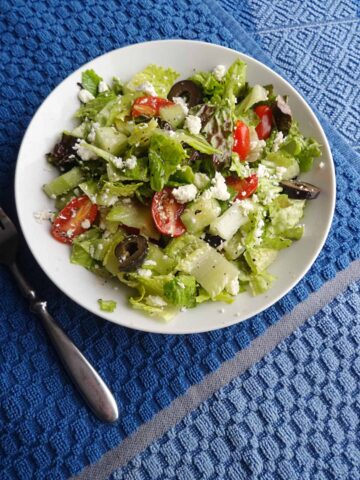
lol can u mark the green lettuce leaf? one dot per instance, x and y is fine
(181, 291)
(285, 213)
(197, 142)
(107, 305)
(160, 78)
(165, 154)
(260, 283)
(90, 81)
(92, 108)
(234, 82)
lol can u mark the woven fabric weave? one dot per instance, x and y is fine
(46, 431)
(293, 415)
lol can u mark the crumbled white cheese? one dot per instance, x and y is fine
(70, 232)
(278, 140)
(280, 172)
(218, 189)
(219, 72)
(85, 96)
(321, 165)
(256, 146)
(144, 272)
(86, 224)
(155, 301)
(102, 87)
(234, 287)
(200, 179)
(149, 262)
(83, 152)
(131, 162)
(148, 88)
(118, 162)
(180, 101)
(94, 127)
(259, 231)
(185, 193)
(171, 133)
(193, 124)
(262, 171)
(246, 205)
(44, 215)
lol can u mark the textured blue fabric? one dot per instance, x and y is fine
(293, 415)
(316, 44)
(46, 432)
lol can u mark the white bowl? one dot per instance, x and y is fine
(55, 114)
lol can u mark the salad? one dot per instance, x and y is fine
(186, 191)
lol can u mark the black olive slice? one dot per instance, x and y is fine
(131, 252)
(299, 190)
(188, 90)
(282, 115)
(213, 240)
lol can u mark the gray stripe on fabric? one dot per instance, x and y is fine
(229, 370)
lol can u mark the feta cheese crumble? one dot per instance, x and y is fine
(193, 124)
(83, 152)
(118, 162)
(234, 287)
(321, 165)
(256, 146)
(86, 224)
(278, 140)
(218, 189)
(155, 301)
(144, 272)
(180, 101)
(148, 88)
(131, 162)
(219, 72)
(102, 87)
(185, 193)
(85, 96)
(44, 215)
(94, 127)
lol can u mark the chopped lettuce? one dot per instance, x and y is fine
(261, 282)
(93, 107)
(107, 305)
(285, 213)
(181, 291)
(257, 94)
(165, 154)
(90, 81)
(161, 79)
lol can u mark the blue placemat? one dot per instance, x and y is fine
(46, 431)
(293, 415)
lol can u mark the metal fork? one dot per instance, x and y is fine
(86, 379)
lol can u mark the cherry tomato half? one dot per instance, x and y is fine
(244, 186)
(75, 218)
(263, 129)
(241, 140)
(149, 106)
(166, 211)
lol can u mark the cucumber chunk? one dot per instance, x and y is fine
(229, 222)
(173, 114)
(200, 214)
(110, 140)
(210, 269)
(65, 182)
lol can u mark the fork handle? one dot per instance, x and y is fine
(86, 379)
